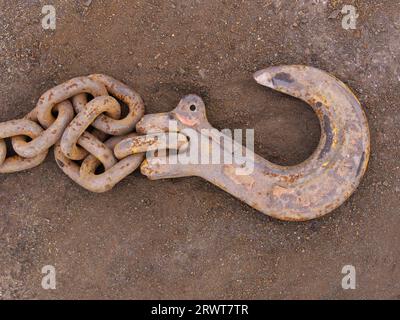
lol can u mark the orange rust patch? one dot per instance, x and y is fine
(278, 191)
(186, 121)
(244, 180)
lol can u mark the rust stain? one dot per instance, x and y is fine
(246, 181)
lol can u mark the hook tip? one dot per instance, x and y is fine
(263, 77)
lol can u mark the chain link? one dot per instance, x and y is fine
(16, 128)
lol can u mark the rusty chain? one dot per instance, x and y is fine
(97, 147)
(81, 130)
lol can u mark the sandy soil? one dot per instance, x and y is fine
(185, 238)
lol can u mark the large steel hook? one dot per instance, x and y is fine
(297, 193)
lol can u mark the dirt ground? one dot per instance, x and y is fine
(185, 238)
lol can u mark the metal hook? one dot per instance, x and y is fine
(296, 193)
